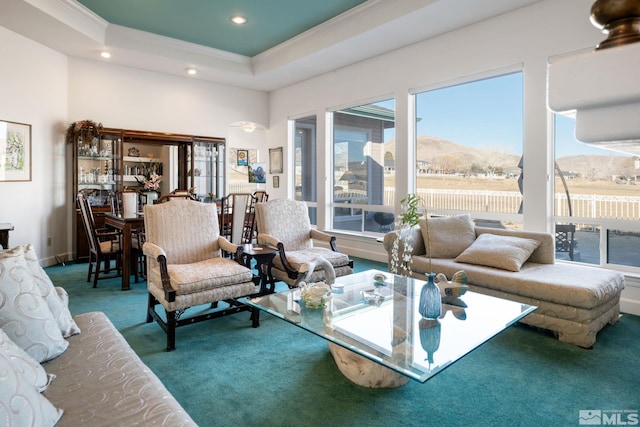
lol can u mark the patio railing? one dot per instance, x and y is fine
(583, 205)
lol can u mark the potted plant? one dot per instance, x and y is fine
(430, 306)
(402, 248)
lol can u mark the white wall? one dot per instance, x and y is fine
(33, 90)
(129, 98)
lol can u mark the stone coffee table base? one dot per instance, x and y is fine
(365, 372)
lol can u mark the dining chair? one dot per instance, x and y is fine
(250, 229)
(127, 203)
(565, 239)
(235, 207)
(104, 245)
(261, 196)
(174, 195)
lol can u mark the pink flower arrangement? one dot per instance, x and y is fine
(150, 180)
(151, 183)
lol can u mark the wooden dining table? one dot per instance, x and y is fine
(126, 224)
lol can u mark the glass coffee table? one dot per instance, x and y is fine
(376, 334)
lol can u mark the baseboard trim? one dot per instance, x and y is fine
(65, 257)
(630, 306)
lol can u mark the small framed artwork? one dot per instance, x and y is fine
(276, 181)
(275, 160)
(243, 158)
(257, 173)
(15, 151)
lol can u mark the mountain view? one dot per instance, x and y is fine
(448, 157)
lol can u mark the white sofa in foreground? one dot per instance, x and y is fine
(100, 381)
(574, 301)
(60, 370)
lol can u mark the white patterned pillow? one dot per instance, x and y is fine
(24, 314)
(58, 308)
(448, 236)
(25, 364)
(21, 404)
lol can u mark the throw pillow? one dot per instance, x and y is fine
(504, 252)
(448, 236)
(31, 370)
(24, 314)
(58, 308)
(20, 402)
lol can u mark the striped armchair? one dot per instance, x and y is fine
(284, 224)
(185, 267)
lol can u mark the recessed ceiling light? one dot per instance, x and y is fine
(105, 54)
(191, 71)
(238, 19)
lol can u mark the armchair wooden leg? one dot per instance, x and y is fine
(150, 307)
(171, 330)
(255, 317)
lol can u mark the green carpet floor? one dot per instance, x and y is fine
(225, 373)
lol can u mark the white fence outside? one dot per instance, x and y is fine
(583, 205)
(244, 187)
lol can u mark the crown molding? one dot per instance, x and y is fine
(361, 19)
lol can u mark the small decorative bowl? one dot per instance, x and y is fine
(371, 296)
(379, 279)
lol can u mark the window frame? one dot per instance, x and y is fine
(516, 219)
(364, 211)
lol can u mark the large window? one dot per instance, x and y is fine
(363, 150)
(469, 149)
(597, 198)
(304, 163)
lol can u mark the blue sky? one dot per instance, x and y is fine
(482, 114)
(487, 114)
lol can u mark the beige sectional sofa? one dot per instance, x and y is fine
(574, 301)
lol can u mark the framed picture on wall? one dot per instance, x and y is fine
(275, 160)
(15, 151)
(243, 157)
(257, 173)
(276, 181)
